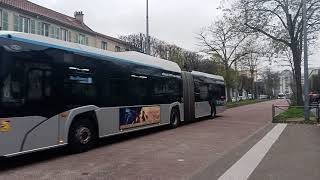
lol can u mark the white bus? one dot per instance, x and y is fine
(55, 93)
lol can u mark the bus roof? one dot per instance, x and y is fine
(129, 56)
(211, 76)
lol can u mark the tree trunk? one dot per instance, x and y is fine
(252, 84)
(229, 99)
(228, 84)
(294, 90)
(297, 66)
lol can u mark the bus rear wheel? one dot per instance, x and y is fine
(174, 118)
(82, 136)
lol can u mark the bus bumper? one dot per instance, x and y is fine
(26, 133)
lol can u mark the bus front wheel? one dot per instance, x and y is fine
(82, 136)
(174, 118)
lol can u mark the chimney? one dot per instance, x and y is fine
(79, 16)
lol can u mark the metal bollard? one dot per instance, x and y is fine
(273, 112)
(318, 113)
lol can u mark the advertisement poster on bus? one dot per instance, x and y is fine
(131, 117)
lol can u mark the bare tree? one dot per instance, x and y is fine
(138, 43)
(271, 81)
(222, 41)
(256, 50)
(193, 61)
(187, 60)
(281, 22)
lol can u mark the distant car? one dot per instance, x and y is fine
(263, 97)
(281, 96)
(314, 98)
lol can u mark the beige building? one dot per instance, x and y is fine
(28, 17)
(286, 81)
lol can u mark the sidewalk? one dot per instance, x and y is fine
(295, 156)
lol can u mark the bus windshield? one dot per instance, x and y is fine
(24, 77)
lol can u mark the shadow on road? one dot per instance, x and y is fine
(47, 155)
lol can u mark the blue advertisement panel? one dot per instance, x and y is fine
(131, 117)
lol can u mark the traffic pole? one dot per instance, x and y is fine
(306, 69)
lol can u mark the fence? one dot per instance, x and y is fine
(294, 114)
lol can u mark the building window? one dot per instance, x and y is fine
(117, 49)
(87, 41)
(33, 26)
(70, 36)
(4, 24)
(16, 23)
(39, 28)
(51, 32)
(64, 34)
(57, 33)
(5, 20)
(45, 29)
(24, 24)
(82, 39)
(104, 45)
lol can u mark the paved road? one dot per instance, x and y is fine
(181, 153)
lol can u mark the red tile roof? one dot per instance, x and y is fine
(30, 7)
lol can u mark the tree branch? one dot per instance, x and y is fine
(267, 34)
(276, 14)
(209, 45)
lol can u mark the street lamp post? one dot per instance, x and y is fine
(306, 69)
(147, 30)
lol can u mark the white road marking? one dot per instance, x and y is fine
(243, 168)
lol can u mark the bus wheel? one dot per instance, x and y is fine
(82, 136)
(174, 118)
(213, 111)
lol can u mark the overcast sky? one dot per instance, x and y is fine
(174, 21)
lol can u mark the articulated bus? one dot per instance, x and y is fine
(55, 93)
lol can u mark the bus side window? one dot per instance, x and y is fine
(119, 91)
(164, 90)
(39, 84)
(197, 91)
(204, 92)
(80, 84)
(139, 90)
(222, 90)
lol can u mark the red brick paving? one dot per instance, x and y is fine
(168, 154)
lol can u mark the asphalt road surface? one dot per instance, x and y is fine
(182, 153)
